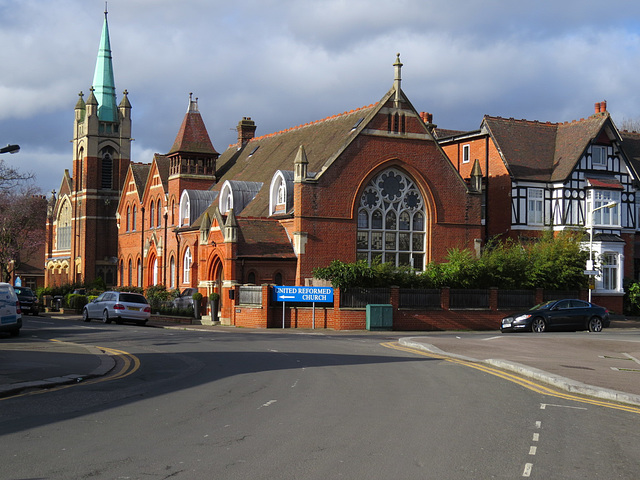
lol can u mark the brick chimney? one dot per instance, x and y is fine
(246, 130)
(426, 117)
(601, 107)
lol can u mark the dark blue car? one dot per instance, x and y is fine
(565, 314)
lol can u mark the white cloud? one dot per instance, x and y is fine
(286, 62)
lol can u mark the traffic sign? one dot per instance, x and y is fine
(303, 294)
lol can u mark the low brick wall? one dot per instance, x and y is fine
(269, 314)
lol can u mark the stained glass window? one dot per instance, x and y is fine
(391, 221)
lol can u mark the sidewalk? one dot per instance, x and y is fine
(585, 363)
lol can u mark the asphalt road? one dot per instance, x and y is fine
(238, 405)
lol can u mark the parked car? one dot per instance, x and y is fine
(565, 314)
(10, 312)
(28, 300)
(185, 299)
(118, 307)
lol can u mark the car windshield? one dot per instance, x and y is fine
(132, 298)
(23, 291)
(543, 306)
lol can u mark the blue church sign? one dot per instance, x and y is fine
(303, 294)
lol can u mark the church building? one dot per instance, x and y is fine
(369, 184)
(82, 235)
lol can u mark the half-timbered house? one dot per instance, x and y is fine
(543, 175)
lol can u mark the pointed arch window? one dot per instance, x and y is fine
(63, 228)
(172, 272)
(130, 275)
(128, 219)
(186, 262)
(159, 214)
(155, 271)
(153, 214)
(133, 220)
(391, 221)
(107, 170)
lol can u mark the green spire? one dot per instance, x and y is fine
(105, 87)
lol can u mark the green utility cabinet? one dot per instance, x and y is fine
(379, 317)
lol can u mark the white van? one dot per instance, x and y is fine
(10, 313)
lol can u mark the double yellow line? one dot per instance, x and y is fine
(130, 364)
(529, 384)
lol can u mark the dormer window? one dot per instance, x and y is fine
(281, 192)
(184, 209)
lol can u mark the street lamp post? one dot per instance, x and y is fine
(10, 149)
(590, 261)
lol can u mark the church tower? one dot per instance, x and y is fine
(101, 157)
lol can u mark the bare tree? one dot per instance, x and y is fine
(22, 224)
(630, 124)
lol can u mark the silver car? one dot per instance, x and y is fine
(118, 307)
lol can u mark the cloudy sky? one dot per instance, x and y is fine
(288, 62)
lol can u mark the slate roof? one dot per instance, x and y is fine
(140, 172)
(543, 151)
(261, 157)
(163, 162)
(631, 148)
(199, 201)
(263, 238)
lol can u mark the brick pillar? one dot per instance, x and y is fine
(395, 304)
(445, 298)
(337, 322)
(493, 299)
(539, 296)
(266, 303)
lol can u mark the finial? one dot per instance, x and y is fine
(105, 9)
(81, 94)
(126, 92)
(397, 80)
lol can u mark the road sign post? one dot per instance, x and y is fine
(303, 294)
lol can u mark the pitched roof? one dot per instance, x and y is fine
(163, 163)
(264, 238)
(261, 157)
(193, 136)
(526, 147)
(140, 172)
(543, 151)
(631, 148)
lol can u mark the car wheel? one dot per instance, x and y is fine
(85, 315)
(538, 325)
(105, 317)
(595, 324)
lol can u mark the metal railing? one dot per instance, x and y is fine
(419, 298)
(361, 297)
(468, 298)
(514, 299)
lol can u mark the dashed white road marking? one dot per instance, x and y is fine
(268, 404)
(538, 424)
(527, 470)
(543, 406)
(533, 450)
(536, 437)
(492, 338)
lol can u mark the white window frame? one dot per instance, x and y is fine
(466, 153)
(185, 207)
(186, 266)
(610, 271)
(605, 217)
(535, 206)
(599, 155)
